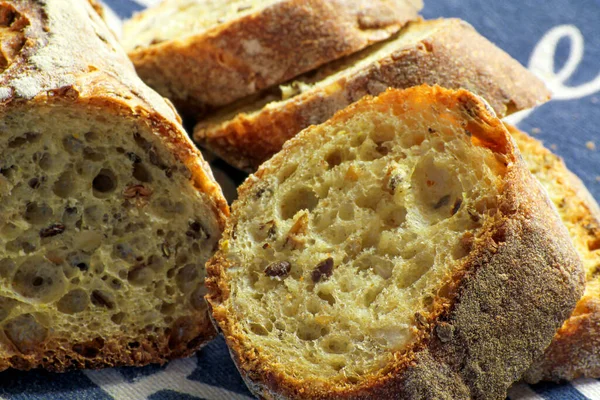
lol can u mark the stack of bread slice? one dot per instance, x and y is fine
(396, 246)
(109, 212)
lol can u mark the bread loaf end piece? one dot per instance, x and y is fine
(399, 250)
(108, 211)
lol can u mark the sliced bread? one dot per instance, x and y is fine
(107, 211)
(447, 52)
(575, 350)
(208, 53)
(399, 250)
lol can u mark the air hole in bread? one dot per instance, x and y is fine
(72, 144)
(287, 172)
(20, 141)
(309, 331)
(437, 188)
(118, 317)
(346, 211)
(65, 185)
(39, 281)
(336, 345)
(103, 299)
(412, 139)
(37, 213)
(92, 155)
(258, 329)
(140, 275)
(325, 295)
(141, 173)
(301, 199)
(334, 158)
(73, 302)
(104, 183)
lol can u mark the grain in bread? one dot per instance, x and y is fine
(107, 211)
(575, 350)
(399, 250)
(447, 52)
(207, 53)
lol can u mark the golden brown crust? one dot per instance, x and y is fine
(574, 352)
(454, 56)
(493, 317)
(60, 355)
(293, 36)
(70, 59)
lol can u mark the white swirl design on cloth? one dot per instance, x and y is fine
(174, 377)
(542, 63)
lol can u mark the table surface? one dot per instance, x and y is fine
(559, 40)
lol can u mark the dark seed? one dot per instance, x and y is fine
(279, 269)
(324, 269)
(52, 230)
(456, 206)
(442, 202)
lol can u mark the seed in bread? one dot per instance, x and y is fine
(575, 350)
(447, 52)
(414, 256)
(207, 53)
(107, 211)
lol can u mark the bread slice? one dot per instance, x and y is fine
(448, 52)
(107, 211)
(399, 250)
(208, 53)
(575, 350)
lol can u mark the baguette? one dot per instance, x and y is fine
(575, 350)
(207, 53)
(447, 52)
(399, 250)
(108, 211)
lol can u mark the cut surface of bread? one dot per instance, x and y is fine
(107, 211)
(447, 52)
(207, 53)
(575, 350)
(400, 250)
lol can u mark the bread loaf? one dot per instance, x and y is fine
(207, 53)
(107, 211)
(399, 250)
(447, 52)
(575, 350)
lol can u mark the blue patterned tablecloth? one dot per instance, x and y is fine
(557, 39)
